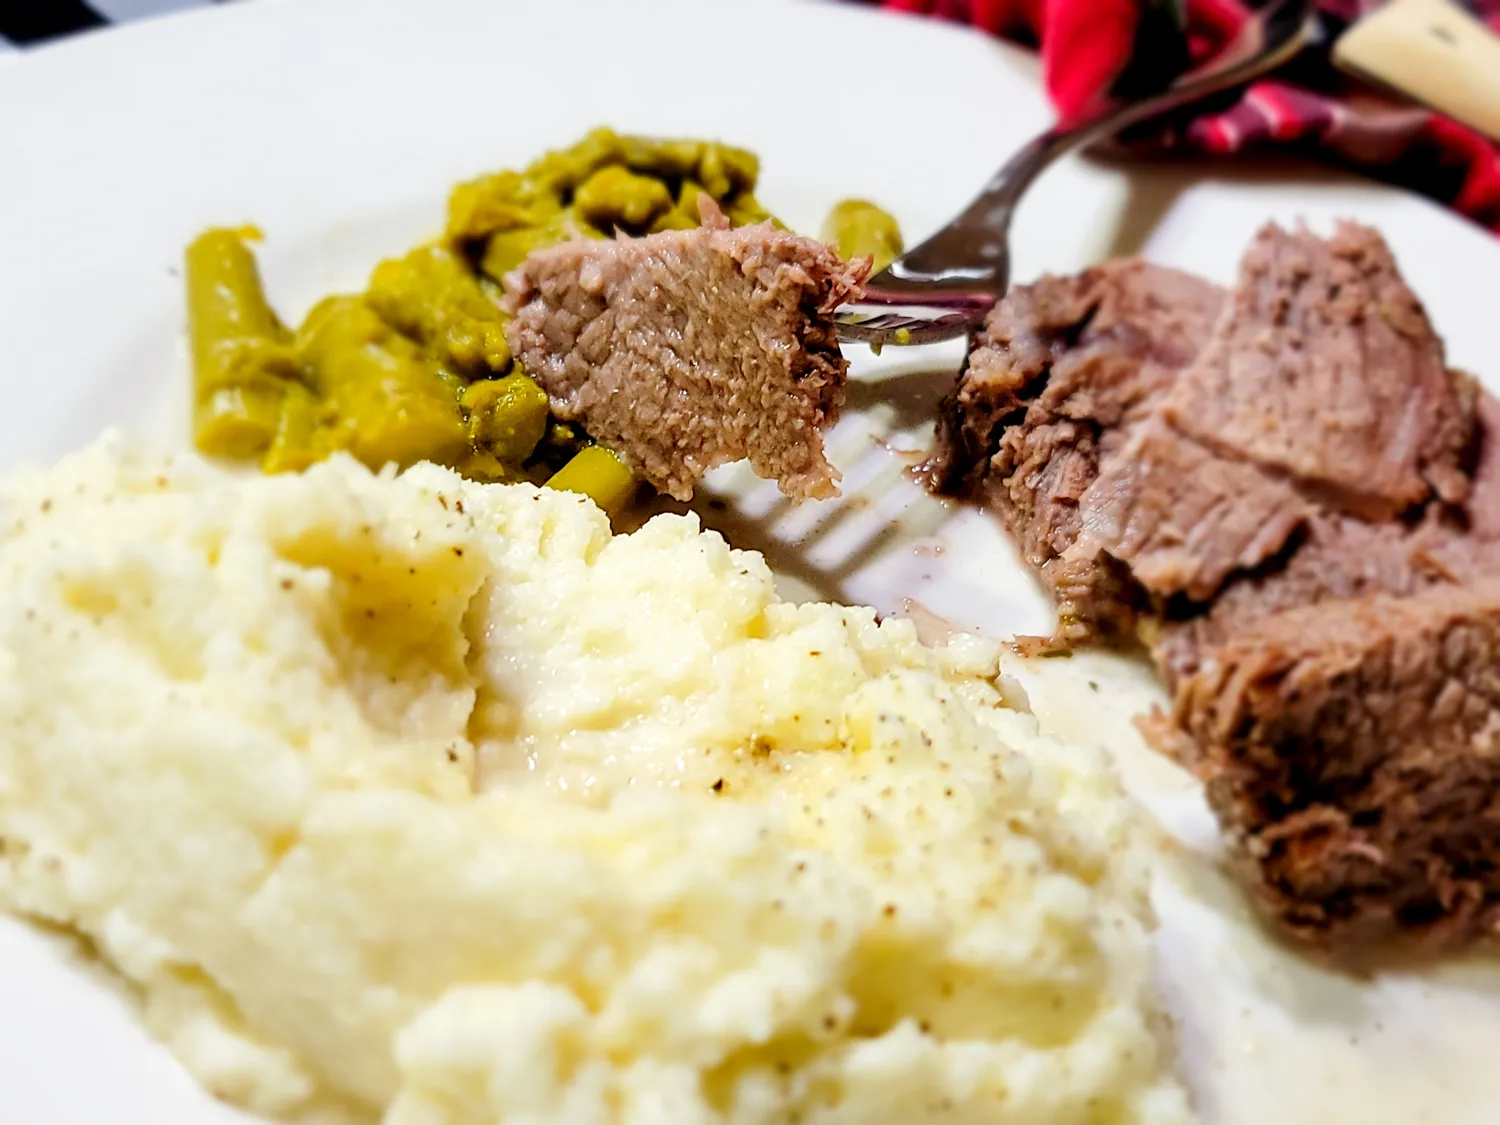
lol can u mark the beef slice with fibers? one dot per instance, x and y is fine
(1058, 377)
(690, 349)
(1353, 749)
(1336, 557)
(1342, 556)
(1181, 518)
(1325, 369)
(1321, 391)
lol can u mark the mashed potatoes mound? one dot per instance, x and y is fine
(413, 800)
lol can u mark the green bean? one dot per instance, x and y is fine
(724, 170)
(562, 170)
(506, 250)
(304, 433)
(239, 422)
(858, 228)
(507, 417)
(390, 406)
(617, 197)
(431, 296)
(598, 474)
(674, 158)
(241, 353)
(493, 204)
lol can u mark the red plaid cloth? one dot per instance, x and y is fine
(1309, 106)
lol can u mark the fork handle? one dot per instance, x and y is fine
(1433, 52)
(980, 232)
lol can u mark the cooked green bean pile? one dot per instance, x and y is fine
(416, 367)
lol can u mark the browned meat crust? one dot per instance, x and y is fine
(1354, 747)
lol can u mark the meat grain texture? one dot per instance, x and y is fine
(1059, 379)
(415, 800)
(1296, 504)
(685, 350)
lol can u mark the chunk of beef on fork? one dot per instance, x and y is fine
(689, 349)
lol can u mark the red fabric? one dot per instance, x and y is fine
(1084, 43)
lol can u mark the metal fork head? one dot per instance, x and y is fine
(944, 287)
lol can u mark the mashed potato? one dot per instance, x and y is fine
(415, 800)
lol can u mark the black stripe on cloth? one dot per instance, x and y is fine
(30, 21)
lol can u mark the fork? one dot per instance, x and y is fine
(944, 287)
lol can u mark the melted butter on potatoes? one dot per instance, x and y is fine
(409, 799)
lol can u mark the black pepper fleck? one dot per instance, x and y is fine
(719, 786)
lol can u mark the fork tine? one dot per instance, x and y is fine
(901, 328)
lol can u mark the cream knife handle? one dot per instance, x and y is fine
(1432, 51)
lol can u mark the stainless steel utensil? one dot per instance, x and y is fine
(944, 287)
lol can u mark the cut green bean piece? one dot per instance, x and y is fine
(600, 475)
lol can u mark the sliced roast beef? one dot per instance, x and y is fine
(1326, 370)
(1353, 748)
(1296, 506)
(1342, 556)
(1182, 518)
(690, 349)
(1058, 377)
(1335, 557)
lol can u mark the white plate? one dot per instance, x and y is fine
(338, 126)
